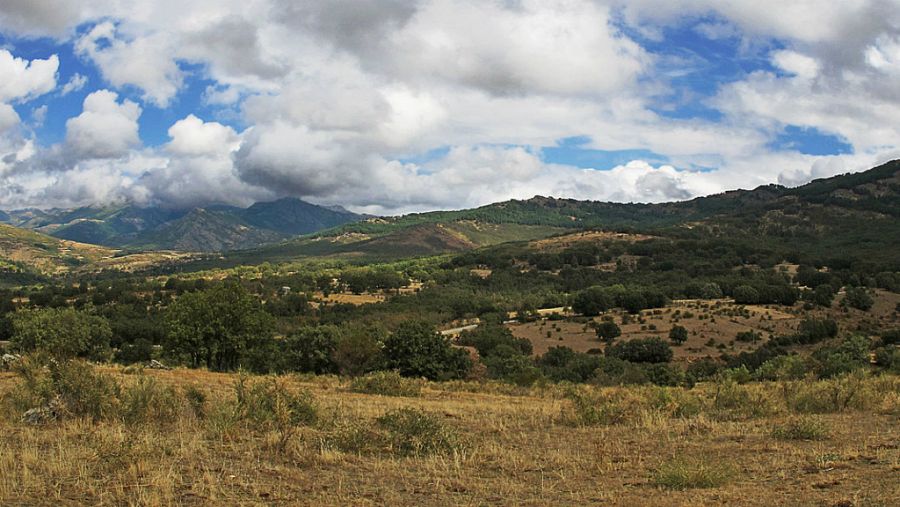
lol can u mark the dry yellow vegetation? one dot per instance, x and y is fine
(803, 443)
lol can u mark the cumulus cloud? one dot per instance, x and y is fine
(106, 128)
(23, 79)
(142, 60)
(338, 96)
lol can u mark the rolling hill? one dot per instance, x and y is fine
(209, 229)
(852, 213)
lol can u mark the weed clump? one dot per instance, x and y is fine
(402, 432)
(386, 383)
(801, 428)
(412, 432)
(54, 390)
(685, 473)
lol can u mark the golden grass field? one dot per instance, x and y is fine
(712, 445)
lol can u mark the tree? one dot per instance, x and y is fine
(62, 332)
(417, 350)
(608, 331)
(823, 295)
(647, 350)
(745, 295)
(216, 327)
(310, 350)
(358, 350)
(859, 298)
(592, 301)
(678, 335)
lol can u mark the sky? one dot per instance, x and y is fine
(396, 106)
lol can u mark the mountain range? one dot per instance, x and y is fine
(851, 215)
(210, 229)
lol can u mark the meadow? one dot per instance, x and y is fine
(193, 437)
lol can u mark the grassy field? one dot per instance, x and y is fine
(712, 325)
(823, 443)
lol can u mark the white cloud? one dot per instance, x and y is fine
(75, 83)
(8, 117)
(142, 60)
(337, 92)
(23, 79)
(105, 128)
(192, 136)
(797, 64)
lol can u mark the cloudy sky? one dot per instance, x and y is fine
(390, 106)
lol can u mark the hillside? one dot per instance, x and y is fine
(854, 212)
(22, 250)
(209, 229)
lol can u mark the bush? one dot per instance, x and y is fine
(608, 331)
(385, 383)
(268, 403)
(61, 332)
(828, 396)
(486, 339)
(147, 402)
(790, 367)
(748, 337)
(310, 350)
(412, 432)
(859, 298)
(417, 350)
(647, 350)
(358, 350)
(801, 428)
(62, 389)
(678, 335)
(733, 401)
(592, 408)
(686, 473)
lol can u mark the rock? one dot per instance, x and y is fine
(43, 415)
(156, 365)
(7, 360)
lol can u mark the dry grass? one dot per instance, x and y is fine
(712, 325)
(508, 446)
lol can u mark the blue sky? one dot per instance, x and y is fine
(610, 97)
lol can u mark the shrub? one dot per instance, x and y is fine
(733, 401)
(687, 473)
(592, 408)
(147, 402)
(412, 432)
(647, 350)
(488, 338)
(385, 383)
(63, 389)
(269, 402)
(310, 350)
(417, 350)
(608, 331)
(859, 298)
(196, 400)
(748, 336)
(61, 332)
(791, 367)
(828, 396)
(801, 428)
